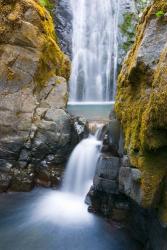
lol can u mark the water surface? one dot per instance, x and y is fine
(94, 111)
(49, 220)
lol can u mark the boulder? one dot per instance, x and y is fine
(22, 180)
(129, 183)
(108, 167)
(33, 93)
(5, 180)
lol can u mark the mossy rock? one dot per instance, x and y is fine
(141, 102)
(26, 23)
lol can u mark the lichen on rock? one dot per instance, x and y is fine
(141, 103)
(33, 74)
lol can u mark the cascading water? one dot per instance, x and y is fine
(81, 166)
(94, 66)
(68, 204)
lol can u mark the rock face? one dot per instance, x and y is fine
(129, 13)
(63, 21)
(105, 196)
(116, 194)
(141, 106)
(35, 130)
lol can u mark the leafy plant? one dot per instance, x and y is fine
(47, 4)
(160, 13)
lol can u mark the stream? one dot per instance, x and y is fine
(48, 220)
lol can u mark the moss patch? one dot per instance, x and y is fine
(47, 4)
(141, 106)
(52, 60)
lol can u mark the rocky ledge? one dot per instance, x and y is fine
(116, 194)
(36, 132)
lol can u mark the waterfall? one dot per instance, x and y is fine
(94, 66)
(81, 166)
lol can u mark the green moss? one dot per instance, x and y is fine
(141, 106)
(128, 29)
(160, 13)
(52, 61)
(47, 4)
(153, 165)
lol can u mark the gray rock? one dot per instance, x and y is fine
(129, 183)
(136, 175)
(125, 180)
(105, 185)
(63, 19)
(108, 167)
(125, 161)
(5, 180)
(24, 155)
(34, 123)
(81, 127)
(129, 15)
(154, 40)
(22, 180)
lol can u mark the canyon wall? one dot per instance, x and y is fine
(141, 107)
(36, 133)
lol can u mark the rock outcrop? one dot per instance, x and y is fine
(141, 106)
(63, 22)
(105, 197)
(129, 14)
(35, 130)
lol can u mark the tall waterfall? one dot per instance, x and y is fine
(81, 166)
(94, 66)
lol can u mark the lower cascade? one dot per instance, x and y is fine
(81, 166)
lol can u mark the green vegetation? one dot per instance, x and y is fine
(160, 13)
(47, 4)
(142, 110)
(128, 28)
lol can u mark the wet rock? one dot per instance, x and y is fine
(108, 167)
(24, 156)
(129, 183)
(63, 19)
(22, 180)
(106, 185)
(81, 127)
(5, 180)
(125, 161)
(53, 137)
(119, 214)
(49, 176)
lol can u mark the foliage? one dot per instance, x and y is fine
(160, 13)
(47, 4)
(128, 30)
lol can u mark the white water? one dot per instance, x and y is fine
(67, 206)
(94, 66)
(81, 166)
